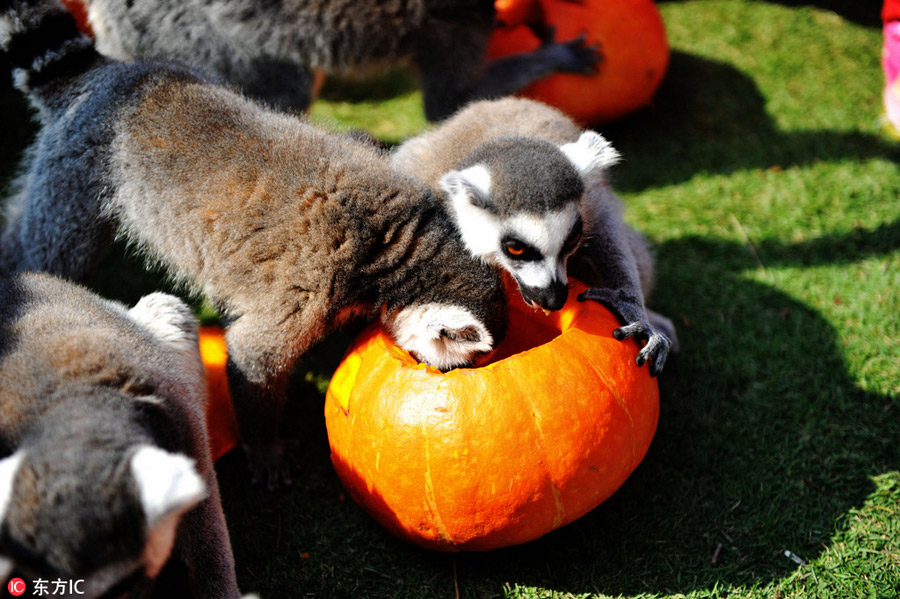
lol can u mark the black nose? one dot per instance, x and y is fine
(552, 297)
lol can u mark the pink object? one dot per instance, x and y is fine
(890, 63)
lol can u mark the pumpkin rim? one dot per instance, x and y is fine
(564, 323)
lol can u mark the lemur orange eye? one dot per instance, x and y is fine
(519, 251)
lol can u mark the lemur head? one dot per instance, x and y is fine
(516, 202)
(101, 517)
(460, 312)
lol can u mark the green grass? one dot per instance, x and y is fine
(765, 179)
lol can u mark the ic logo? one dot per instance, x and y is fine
(16, 587)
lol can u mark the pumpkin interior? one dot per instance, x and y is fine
(528, 328)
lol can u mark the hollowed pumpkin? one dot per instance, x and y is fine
(481, 458)
(632, 40)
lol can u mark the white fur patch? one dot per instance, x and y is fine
(6, 568)
(538, 274)
(168, 483)
(107, 43)
(463, 184)
(8, 468)
(591, 153)
(546, 232)
(479, 178)
(173, 323)
(417, 329)
(6, 26)
(479, 228)
(169, 486)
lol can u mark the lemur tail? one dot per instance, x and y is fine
(42, 42)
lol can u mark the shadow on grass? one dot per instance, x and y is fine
(709, 117)
(764, 441)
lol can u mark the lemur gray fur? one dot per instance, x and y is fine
(289, 230)
(525, 184)
(106, 471)
(267, 46)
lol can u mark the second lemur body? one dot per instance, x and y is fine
(528, 191)
(264, 46)
(287, 229)
(105, 471)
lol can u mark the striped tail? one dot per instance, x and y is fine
(44, 46)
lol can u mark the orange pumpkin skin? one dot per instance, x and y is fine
(632, 40)
(220, 422)
(482, 458)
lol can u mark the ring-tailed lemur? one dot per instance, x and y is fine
(265, 46)
(289, 230)
(528, 190)
(106, 471)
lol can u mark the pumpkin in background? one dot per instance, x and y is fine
(487, 457)
(632, 41)
(220, 422)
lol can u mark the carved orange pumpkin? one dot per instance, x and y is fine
(632, 41)
(481, 458)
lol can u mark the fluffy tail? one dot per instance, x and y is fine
(44, 46)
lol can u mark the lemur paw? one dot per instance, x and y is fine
(269, 465)
(656, 348)
(636, 324)
(573, 56)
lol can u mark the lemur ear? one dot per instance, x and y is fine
(168, 484)
(8, 468)
(473, 183)
(6, 568)
(590, 154)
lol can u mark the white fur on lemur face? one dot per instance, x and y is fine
(441, 335)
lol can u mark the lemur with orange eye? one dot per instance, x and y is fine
(528, 190)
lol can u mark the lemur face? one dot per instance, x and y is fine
(518, 208)
(120, 521)
(532, 246)
(445, 336)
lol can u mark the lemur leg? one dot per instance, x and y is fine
(607, 261)
(646, 274)
(203, 544)
(454, 71)
(261, 356)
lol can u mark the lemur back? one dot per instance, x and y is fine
(106, 469)
(267, 47)
(529, 192)
(288, 229)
